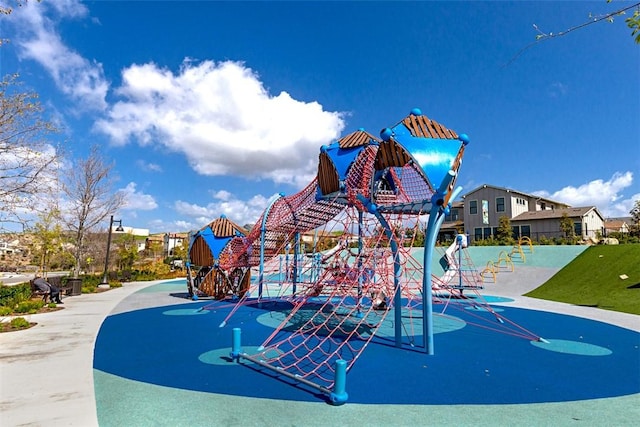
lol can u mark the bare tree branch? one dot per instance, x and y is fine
(28, 161)
(542, 36)
(88, 188)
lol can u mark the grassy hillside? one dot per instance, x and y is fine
(593, 279)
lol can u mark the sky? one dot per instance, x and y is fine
(209, 108)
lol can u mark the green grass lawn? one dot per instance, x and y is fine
(593, 279)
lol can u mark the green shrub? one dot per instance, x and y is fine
(10, 296)
(29, 306)
(52, 305)
(20, 323)
(5, 311)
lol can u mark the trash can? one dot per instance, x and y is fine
(76, 286)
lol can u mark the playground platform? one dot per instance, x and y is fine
(144, 355)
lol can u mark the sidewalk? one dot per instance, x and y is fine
(46, 372)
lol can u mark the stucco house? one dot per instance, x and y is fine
(530, 215)
(615, 225)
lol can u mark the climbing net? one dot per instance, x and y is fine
(340, 296)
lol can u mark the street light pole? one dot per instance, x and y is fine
(105, 279)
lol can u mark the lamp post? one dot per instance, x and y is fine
(105, 279)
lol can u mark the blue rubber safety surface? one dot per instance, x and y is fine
(182, 346)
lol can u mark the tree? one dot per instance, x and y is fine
(127, 251)
(635, 218)
(88, 190)
(567, 227)
(47, 238)
(28, 162)
(180, 251)
(504, 233)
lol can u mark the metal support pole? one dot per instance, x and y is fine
(263, 233)
(105, 279)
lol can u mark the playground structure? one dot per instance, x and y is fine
(362, 277)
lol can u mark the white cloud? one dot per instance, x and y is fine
(239, 211)
(220, 116)
(81, 79)
(148, 167)
(136, 200)
(605, 195)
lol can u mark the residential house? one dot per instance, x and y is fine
(140, 235)
(453, 223)
(615, 226)
(154, 245)
(587, 222)
(171, 241)
(530, 215)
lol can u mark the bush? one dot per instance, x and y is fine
(5, 311)
(10, 296)
(29, 306)
(19, 323)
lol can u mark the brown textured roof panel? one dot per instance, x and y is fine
(328, 179)
(355, 139)
(222, 227)
(422, 126)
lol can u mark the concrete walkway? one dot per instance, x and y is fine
(47, 376)
(46, 372)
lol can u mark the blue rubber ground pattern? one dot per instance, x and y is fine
(182, 346)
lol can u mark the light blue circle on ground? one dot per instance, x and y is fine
(480, 308)
(492, 298)
(222, 356)
(185, 312)
(273, 319)
(572, 347)
(442, 323)
(166, 286)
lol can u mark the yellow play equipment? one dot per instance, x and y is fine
(505, 260)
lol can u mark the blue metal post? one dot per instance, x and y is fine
(436, 217)
(236, 344)
(360, 269)
(397, 294)
(296, 252)
(339, 394)
(263, 232)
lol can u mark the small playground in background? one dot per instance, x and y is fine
(332, 297)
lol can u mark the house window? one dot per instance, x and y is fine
(486, 232)
(577, 226)
(477, 233)
(500, 204)
(454, 215)
(543, 205)
(525, 230)
(473, 207)
(515, 231)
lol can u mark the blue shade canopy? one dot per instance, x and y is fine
(434, 155)
(216, 244)
(342, 158)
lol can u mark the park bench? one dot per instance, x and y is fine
(35, 292)
(55, 281)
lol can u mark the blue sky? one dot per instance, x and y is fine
(210, 108)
